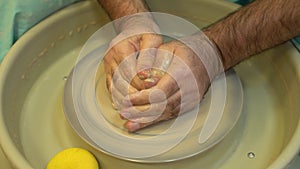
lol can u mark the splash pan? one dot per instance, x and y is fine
(33, 126)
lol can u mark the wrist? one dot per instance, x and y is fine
(213, 36)
(139, 22)
(120, 8)
(207, 52)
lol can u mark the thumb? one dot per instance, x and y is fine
(148, 47)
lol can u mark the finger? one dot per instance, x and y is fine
(108, 83)
(128, 71)
(135, 112)
(145, 61)
(166, 87)
(124, 53)
(162, 61)
(176, 105)
(117, 97)
(153, 80)
(123, 49)
(133, 126)
(164, 57)
(146, 58)
(109, 66)
(155, 76)
(122, 85)
(154, 109)
(138, 83)
(161, 64)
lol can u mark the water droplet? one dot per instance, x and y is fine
(78, 29)
(52, 44)
(61, 37)
(251, 155)
(43, 52)
(71, 33)
(65, 78)
(93, 22)
(85, 27)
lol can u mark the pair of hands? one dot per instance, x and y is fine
(151, 81)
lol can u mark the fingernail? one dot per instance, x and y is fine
(132, 126)
(150, 82)
(125, 115)
(122, 117)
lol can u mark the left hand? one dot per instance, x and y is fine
(122, 67)
(130, 55)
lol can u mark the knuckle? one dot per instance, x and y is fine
(174, 103)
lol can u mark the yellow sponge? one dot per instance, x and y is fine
(73, 158)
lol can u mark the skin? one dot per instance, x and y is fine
(121, 49)
(119, 8)
(252, 29)
(173, 85)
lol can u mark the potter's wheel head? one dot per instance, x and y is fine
(88, 108)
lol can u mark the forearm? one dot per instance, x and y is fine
(254, 28)
(119, 8)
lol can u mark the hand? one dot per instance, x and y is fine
(179, 90)
(121, 65)
(130, 54)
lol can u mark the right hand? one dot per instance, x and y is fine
(190, 65)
